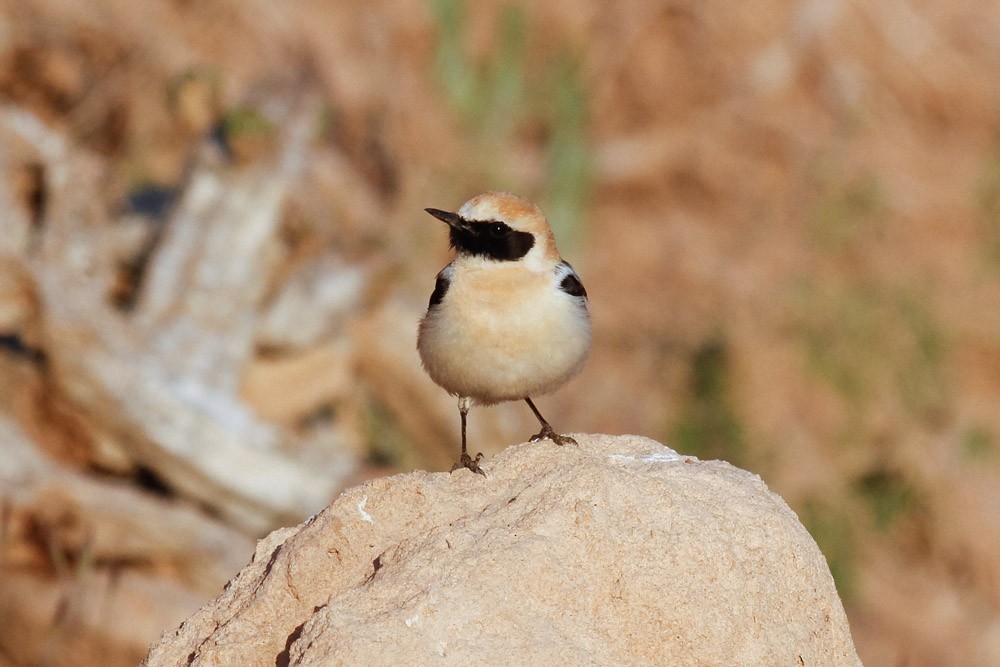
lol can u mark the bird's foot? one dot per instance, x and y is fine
(472, 464)
(547, 432)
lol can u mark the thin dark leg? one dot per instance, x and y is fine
(466, 461)
(465, 414)
(547, 431)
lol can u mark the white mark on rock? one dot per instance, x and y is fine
(667, 456)
(411, 620)
(361, 510)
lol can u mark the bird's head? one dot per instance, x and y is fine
(502, 227)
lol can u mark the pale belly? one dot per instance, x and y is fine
(504, 352)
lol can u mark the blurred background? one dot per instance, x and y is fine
(214, 256)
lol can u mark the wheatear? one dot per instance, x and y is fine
(508, 318)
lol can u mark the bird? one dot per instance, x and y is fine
(508, 318)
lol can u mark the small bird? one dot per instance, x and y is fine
(508, 317)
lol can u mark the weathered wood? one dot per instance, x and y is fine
(166, 378)
(94, 565)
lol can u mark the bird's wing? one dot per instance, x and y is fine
(569, 280)
(440, 286)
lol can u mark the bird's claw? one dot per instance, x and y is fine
(547, 432)
(470, 463)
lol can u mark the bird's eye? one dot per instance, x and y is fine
(497, 230)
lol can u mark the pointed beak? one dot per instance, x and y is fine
(453, 219)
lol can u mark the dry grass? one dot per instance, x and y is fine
(786, 215)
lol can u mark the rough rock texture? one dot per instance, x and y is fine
(618, 551)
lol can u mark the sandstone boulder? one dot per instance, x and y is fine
(617, 551)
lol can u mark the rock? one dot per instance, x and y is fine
(618, 551)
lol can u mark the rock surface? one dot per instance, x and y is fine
(618, 551)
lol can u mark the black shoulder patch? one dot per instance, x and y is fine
(571, 285)
(440, 287)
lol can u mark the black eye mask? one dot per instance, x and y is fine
(491, 239)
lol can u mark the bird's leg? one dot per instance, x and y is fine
(466, 461)
(547, 431)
